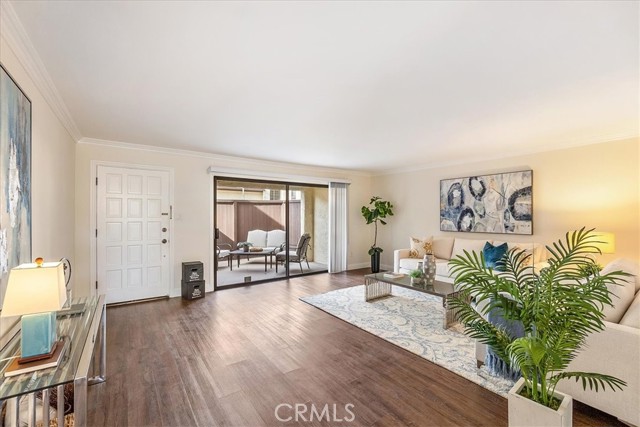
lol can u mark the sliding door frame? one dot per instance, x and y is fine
(214, 257)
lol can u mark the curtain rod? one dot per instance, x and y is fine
(243, 173)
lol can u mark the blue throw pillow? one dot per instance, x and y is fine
(493, 254)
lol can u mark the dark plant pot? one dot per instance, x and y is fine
(245, 248)
(375, 262)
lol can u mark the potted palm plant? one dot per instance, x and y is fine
(377, 211)
(557, 308)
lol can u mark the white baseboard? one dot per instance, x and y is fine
(366, 265)
(357, 266)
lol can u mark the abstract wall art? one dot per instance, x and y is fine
(499, 203)
(15, 177)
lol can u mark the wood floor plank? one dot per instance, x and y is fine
(231, 358)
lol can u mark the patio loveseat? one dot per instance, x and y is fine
(267, 240)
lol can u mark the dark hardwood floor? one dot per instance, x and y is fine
(231, 358)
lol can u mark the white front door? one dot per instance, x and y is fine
(132, 235)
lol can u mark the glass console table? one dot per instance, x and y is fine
(84, 336)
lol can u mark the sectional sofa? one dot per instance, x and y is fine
(614, 351)
(445, 248)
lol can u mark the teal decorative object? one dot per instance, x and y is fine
(38, 334)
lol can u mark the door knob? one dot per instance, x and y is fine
(164, 229)
(164, 240)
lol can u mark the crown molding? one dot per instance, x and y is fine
(14, 33)
(515, 153)
(222, 159)
(276, 176)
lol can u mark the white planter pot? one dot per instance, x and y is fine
(525, 412)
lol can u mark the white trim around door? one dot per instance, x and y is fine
(168, 250)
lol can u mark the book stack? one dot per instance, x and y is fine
(16, 368)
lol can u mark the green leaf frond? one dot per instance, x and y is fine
(558, 306)
(593, 380)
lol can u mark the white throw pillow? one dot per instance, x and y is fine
(632, 316)
(622, 294)
(442, 247)
(419, 247)
(469, 245)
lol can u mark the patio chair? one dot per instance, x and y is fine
(223, 253)
(296, 253)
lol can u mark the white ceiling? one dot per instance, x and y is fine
(357, 85)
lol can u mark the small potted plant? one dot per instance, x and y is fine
(377, 211)
(416, 276)
(557, 308)
(244, 246)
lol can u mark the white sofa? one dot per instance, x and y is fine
(268, 240)
(445, 248)
(614, 351)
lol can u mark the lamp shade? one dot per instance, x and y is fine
(606, 242)
(35, 289)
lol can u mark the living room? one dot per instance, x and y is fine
(578, 135)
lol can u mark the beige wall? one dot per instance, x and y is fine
(192, 201)
(593, 186)
(52, 172)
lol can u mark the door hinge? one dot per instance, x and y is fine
(96, 180)
(96, 232)
(96, 284)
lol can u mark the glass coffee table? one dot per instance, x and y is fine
(378, 286)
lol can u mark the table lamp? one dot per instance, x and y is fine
(606, 242)
(35, 292)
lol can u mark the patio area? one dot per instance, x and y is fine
(253, 270)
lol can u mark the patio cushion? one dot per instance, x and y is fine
(275, 238)
(257, 238)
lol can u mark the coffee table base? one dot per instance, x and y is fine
(374, 289)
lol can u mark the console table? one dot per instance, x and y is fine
(84, 336)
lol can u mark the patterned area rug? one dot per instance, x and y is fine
(411, 320)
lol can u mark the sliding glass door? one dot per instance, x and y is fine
(267, 230)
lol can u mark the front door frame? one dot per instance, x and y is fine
(93, 219)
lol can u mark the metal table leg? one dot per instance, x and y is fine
(374, 289)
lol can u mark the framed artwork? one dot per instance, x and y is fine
(15, 177)
(500, 203)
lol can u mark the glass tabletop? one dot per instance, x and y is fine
(73, 330)
(261, 252)
(438, 288)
